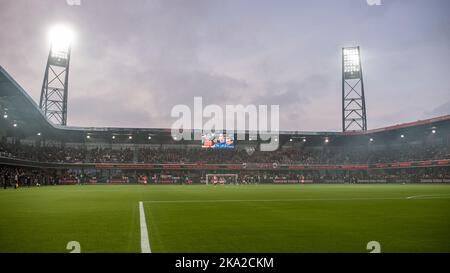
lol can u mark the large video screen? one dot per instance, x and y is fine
(217, 141)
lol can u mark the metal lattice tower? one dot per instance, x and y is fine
(54, 91)
(353, 101)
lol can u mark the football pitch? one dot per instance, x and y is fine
(227, 218)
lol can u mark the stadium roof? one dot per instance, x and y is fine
(24, 111)
(19, 105)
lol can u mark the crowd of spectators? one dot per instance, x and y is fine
(67, 154)
(26, 177)
(292, 155)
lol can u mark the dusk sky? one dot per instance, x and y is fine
(132, 61)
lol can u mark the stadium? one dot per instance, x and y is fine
(111, 189)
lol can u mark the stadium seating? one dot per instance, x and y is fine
(312, 155)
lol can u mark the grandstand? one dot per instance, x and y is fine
(414, 152)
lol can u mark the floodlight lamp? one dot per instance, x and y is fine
(61, 38)
(351, 60)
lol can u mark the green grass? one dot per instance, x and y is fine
(263, 218)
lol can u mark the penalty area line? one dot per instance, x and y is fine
(295, 200)
(145, 242)
(429, 196)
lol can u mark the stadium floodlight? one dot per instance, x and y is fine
(54, 92)
(353, 99)
(61, 38)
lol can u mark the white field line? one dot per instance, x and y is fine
(145, 242)
(296, 200)
(430, 196)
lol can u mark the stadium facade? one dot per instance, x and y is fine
(407, 153)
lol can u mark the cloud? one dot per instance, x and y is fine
(132, 62)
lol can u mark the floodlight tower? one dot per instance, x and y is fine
(55, 86)
(353, 100)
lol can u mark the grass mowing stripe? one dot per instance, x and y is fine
(145, 243)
